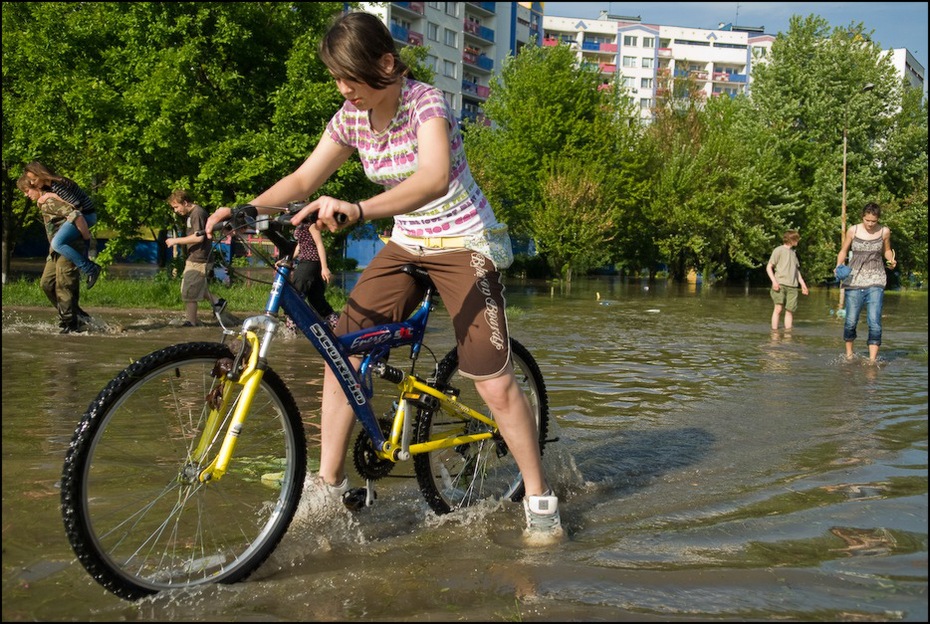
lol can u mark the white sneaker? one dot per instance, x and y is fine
(543, 523)
(336, 491)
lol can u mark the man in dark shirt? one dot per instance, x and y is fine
(198, 265)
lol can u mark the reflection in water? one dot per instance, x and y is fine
(708, 468)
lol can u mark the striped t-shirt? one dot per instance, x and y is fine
(69, 191)
(390, 157)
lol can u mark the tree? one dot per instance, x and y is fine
(718, 199)
(808, 91)
(573, 224)
(546, 112)
(133, 100)
(904, 177)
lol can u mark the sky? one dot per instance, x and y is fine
(895, 24)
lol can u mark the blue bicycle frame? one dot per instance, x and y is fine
(375, 343)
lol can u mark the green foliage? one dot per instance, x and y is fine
(163, 292)
(550, 115)
(134, 100)
(806, 94)
(574, 224)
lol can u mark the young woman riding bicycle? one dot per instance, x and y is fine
(408, 140)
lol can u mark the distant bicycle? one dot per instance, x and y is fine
(188, 467)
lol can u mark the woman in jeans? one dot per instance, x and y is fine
(865, 286)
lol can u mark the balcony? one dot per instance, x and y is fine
(488, 8)
(608, 68)
(478, 60)
(475, 90)
(549, 42)
(665, 53)
(609, 47)
(406, 36)
(477, 30)
(410, 7)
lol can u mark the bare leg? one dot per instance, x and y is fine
(775, 314)
(336, 425)
(512, 412)
(873, 353)
(849, 350)
(789, 319)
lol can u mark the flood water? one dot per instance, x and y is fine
(707, 470)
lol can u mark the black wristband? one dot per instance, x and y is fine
(361, 213)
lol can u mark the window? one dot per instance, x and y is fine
(646, 83)
(645, 103)
(448, 69)
(451, 38)
(649, 42)
(649, 62)
(629, 82)
(432, 62)
(452, 8)
(432, 31)
(629, 61)
(629, 40)
(435, 5)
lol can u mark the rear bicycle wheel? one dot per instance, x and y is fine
(486, 470)
(135, 513)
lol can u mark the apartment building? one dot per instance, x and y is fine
(908, 68)
(468, 42)
(647, 58)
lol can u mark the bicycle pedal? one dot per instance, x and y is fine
(357, 499)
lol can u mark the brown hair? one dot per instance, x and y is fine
(353, 47)
(24, 183)
(180, 196)
(873, 209)
(44, 175)
(790, 237)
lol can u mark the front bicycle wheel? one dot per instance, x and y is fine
(466, 474)
(135, 513)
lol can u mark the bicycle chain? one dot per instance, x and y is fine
(367, 462)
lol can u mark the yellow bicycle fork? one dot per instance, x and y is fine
(249, 379)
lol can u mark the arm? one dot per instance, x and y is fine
(770, 269)
(844, 250)
(804, 290)
(890, 261)
(321, 250)
(191, 239)
(430, 182)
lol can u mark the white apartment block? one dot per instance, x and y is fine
(645, 58)
(908, 68)
(468, 42)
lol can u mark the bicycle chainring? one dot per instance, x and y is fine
(367, 462)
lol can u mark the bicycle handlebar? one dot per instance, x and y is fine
(246, 215)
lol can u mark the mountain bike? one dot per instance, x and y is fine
(166, 480)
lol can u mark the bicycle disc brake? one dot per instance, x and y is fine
(367, 462)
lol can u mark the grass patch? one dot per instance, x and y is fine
(161, 292)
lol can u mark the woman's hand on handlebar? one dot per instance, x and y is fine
(222, 214)
(330, 212)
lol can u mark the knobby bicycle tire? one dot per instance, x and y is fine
(486, 470)
(135, 514)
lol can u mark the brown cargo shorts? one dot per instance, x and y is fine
(471, 290)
